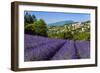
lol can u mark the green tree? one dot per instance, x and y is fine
(68, 35)
(40, 28)
(81, 36)
(29, 19)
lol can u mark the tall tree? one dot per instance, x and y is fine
(29, 19)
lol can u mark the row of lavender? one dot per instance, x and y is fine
(39, 48)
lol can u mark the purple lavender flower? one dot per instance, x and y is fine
(67, 51)
(83, 48)
(44, 51)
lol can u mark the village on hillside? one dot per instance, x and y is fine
(72, 29)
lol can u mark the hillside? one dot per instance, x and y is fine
(75, 31)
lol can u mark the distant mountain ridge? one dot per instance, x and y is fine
(61, 23)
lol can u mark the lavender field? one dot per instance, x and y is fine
(38, 48)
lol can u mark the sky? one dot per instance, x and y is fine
(52, 17)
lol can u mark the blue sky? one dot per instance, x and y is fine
(52, 17)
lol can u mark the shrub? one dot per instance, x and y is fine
(29, 29)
